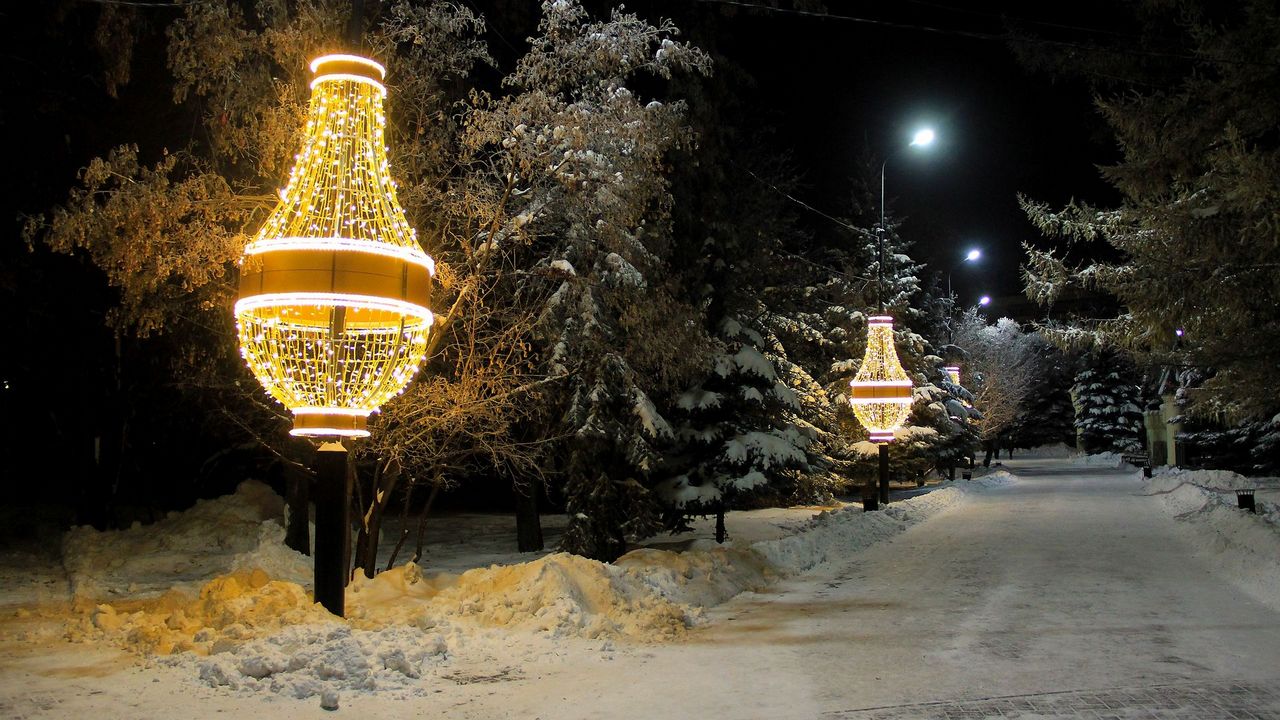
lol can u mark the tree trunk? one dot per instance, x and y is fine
(404, 524)
(384, 482)
(720, 531)
(297, 483)
(422, 519)
(528, 522)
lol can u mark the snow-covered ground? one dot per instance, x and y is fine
(214, 595)
(1067, 590)
(1243, 547)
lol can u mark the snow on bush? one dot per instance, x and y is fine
(1244, 546)
(1060, 450)
(1103, 459)
(250, 630)
(833, 535)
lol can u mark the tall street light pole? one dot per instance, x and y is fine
(923, 138)
(971, 256)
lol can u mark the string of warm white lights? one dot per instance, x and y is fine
(333, 314)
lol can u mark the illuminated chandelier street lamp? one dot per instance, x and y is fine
(880, 392)
(333, 311)
(953, 372)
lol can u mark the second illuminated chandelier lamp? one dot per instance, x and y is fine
(333, 312)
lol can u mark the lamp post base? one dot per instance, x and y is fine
(884, 473)
(333, 531)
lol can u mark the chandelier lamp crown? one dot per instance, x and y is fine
(333, 312)
(881, 391)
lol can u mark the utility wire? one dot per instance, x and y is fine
(997, 37)
(144, 3)
(1000, 16)
(802, 203)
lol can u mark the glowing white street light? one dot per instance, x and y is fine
(971, 256)
(923, 138)
(984, 301)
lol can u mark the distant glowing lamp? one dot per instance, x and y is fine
(1178, 332)
(333, 312)
(953, 371)
(972, 255)
(923, 137)
(985, 300)
(881, 391)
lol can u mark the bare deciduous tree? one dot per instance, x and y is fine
(1001, 366)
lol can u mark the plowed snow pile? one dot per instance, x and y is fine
(215, 588)
(1245, 546)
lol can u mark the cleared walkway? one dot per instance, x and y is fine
(1067, 594)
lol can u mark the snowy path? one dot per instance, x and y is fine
(1066, 592)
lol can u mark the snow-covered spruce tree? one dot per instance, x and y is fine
(1246, 447)
(1251, 448)
(947, 410)
(588, 159)
(812, 313)
(734, 434)
(939, 432)
(1108, 405)
(1047, 417)
(733, 230)
(1194, 113)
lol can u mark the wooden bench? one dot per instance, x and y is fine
(1141, 460)
(1138, 459)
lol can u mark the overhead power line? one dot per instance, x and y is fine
(145, 3)
(1003, 37)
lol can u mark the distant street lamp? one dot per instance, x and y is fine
(333, 311)
(985, 300)
(971, 256)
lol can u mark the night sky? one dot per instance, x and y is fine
(833, 87)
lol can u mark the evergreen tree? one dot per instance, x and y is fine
(1108, 406)
(586, 172)
(1047, 417)
(737, 440)
(1194, 112)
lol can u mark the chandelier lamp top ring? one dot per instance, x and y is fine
(349, 68)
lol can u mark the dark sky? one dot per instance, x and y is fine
(834, 86)
(831, 87)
